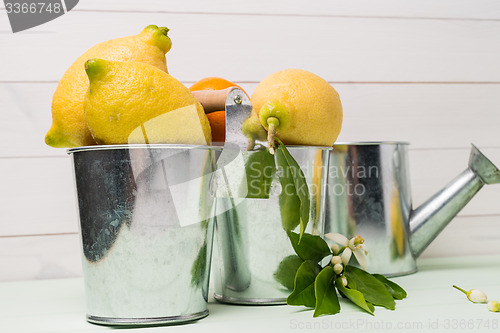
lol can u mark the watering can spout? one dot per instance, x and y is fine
(427, 221)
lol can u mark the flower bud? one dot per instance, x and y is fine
(344, 281)
(336, 260)
(493, 306)
(335, 249)
(476, 296)
(338, 268)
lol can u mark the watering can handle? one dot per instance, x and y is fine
(213, 100)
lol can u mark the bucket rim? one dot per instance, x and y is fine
(299, 147)
(371, 143)
(171, 146)
(141, 146)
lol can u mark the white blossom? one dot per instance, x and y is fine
(351, 246)
(346, 255)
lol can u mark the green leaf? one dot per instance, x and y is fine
(287, 269)
(311, 247)
(303, 291)
(289, 200)
(396, 291)
(289, 211)
(373, 290)
(259, 170)
(370, 305)
(355, 296)
(290, 165)
(350, 282)
(327, 301)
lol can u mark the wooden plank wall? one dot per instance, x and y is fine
(427, 72)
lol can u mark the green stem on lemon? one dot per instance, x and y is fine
(160, 37)
(251, 143)
(164, 30)
(272, 123)
(95, 68)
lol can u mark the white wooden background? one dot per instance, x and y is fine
(423, 71)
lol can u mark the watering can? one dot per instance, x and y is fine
(368, 194)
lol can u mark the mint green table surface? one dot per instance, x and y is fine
(432, 305)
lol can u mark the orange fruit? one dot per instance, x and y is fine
(213, 83)
(217, 119)
(218, 124)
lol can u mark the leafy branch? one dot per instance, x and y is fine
(316, 283)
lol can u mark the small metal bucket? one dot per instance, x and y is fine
(250, 240)
(146, 222)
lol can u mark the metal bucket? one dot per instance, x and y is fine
(250, 240)
(146, 226)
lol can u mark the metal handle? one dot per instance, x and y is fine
(213, 100)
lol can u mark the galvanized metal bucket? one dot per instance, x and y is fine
(250, 240)
(146, 219)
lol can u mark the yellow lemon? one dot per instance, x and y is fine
(304, 108)
(68, 123)
(253, 130)
(133, 102)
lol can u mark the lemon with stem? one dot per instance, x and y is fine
(133, 102)
(298, 107)
(69, 128)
